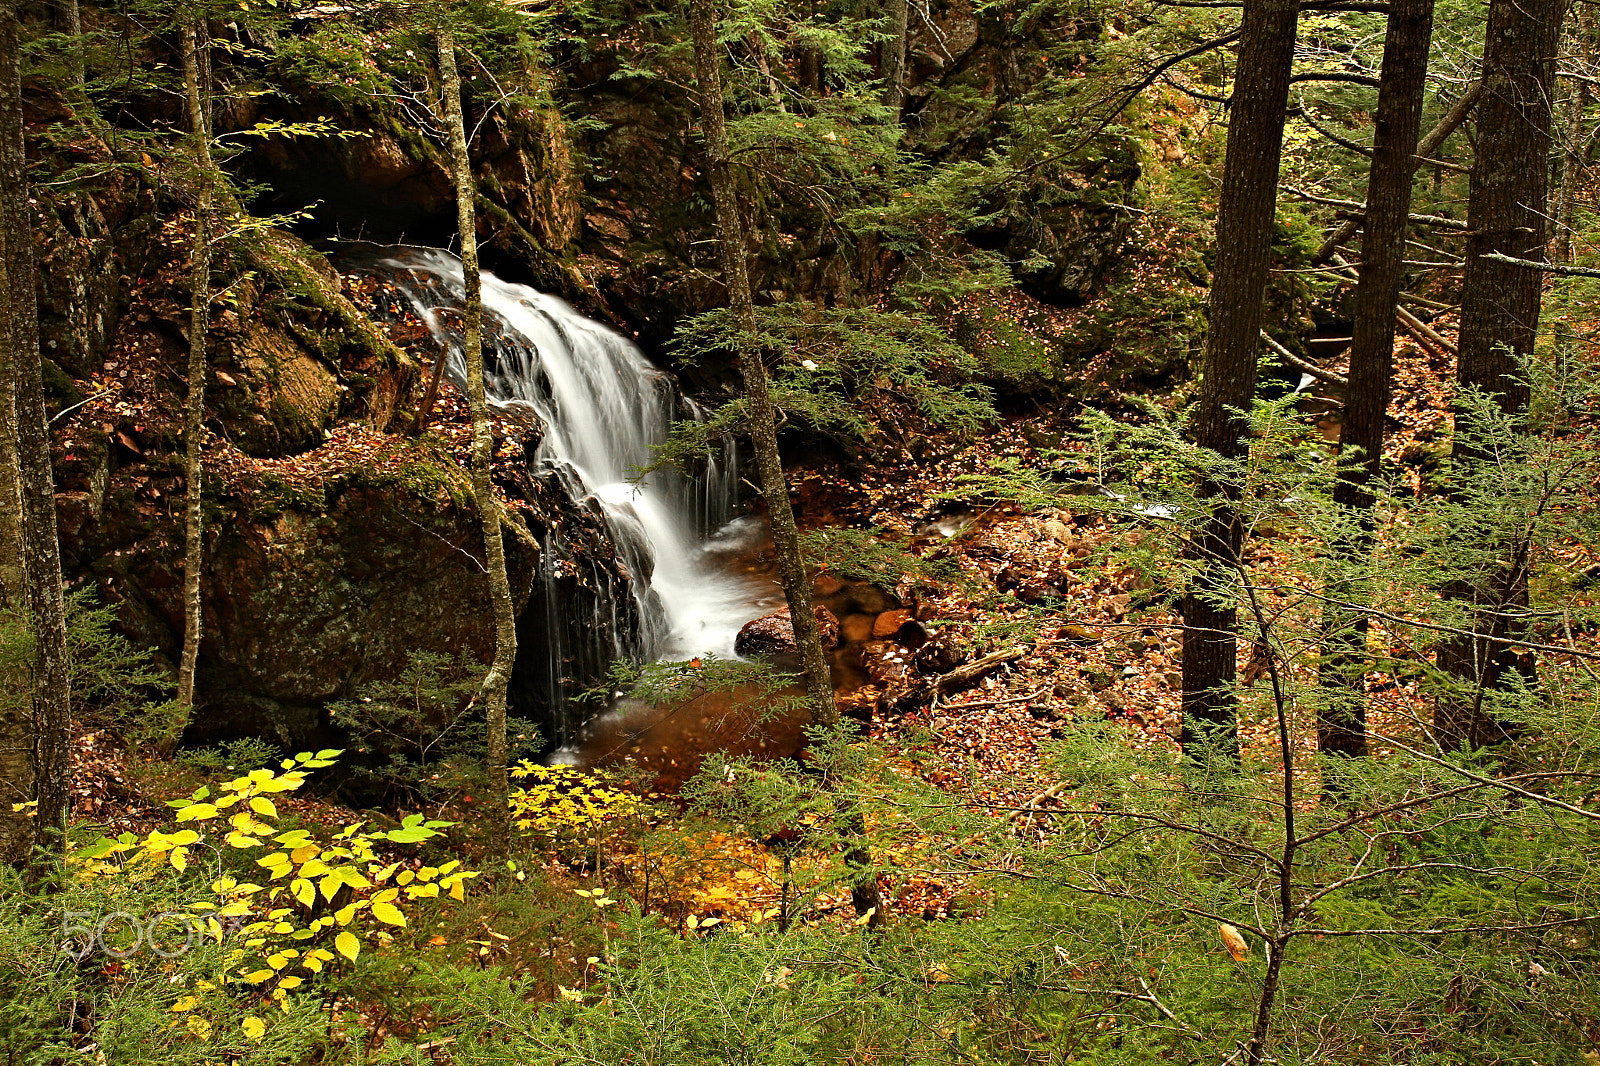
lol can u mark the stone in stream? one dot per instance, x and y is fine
(773, 633)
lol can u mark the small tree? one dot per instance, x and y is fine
(489, 512)
(196, 70)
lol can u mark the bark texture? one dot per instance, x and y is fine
(1341, 726)
(505, 619)
(1245, 217)
(764, 431)
(894, 57)
(1574, 154)
(1499, 318)
(199, 324)
(19, 331)
(16, 709)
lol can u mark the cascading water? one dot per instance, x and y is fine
(604, 408)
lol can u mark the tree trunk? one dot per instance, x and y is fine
(894, 58)
(199, 325)
(808, 59)
(505, 619)
(1341, 726)
(13, 579)
(763, 423)
(1574, 160)
(16, 711)
(1245, 217)
(1425, 150)
(19, 332)
(1499, 320)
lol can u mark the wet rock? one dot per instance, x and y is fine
(827, 585)
(941, 654)
(889, 622)
(899, 626)
(856, 628)
(774, 633)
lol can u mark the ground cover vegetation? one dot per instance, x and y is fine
(1201, 693)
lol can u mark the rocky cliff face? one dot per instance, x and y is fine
(337, 544)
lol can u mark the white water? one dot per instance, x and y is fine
(604, 406)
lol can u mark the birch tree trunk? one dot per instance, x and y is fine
(199, 325)
(505, 621)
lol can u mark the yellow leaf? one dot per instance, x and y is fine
(196, 812)
(186, 1003)
(179, 859)
(388, 895)
(263, 806)
(348, 945)
(305, 853)
(457, 892)
(199, 1027)
(304, 891)
(388, 912)
(257, 977)
(254, 1028)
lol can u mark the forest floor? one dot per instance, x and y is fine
(1076, 589)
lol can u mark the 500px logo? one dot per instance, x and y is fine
(120, 934)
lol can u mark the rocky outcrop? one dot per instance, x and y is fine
(337, 548)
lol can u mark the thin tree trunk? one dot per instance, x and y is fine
(199, 325)
(763, 424)
(1574, 162)
(894, 58)
(505, 618)
(1341, 726)
(72, 26)
(808, 60)
(1245, 217)
(19, 331)
(16, 712)
(13, 578)
(1500, 305)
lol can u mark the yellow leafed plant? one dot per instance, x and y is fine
(321, 898)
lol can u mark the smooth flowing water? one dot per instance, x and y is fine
(604, 408)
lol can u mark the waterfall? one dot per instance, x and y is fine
(603, 408)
